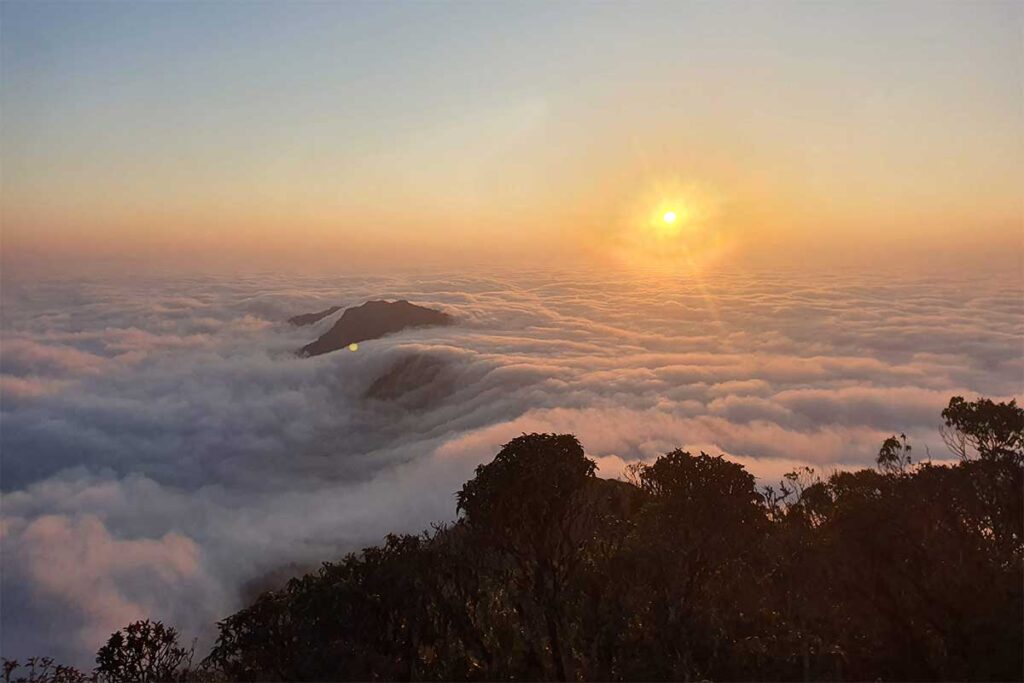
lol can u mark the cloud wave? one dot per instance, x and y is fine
(164, 449)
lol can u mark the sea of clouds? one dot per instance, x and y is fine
(164, 453)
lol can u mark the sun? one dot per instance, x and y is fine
(667, 220)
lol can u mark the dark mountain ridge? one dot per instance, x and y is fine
(310, 318)
(414, 381)
(373, 320)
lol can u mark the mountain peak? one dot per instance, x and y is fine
(372, 320)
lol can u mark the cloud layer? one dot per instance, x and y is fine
(164, 450)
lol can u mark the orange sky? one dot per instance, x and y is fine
(338, 135)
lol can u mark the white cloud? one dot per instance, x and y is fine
(162, 439)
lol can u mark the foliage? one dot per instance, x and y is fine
(42, 670)
(894, 455)
(992, 430)
(685, 571)
(142, 652)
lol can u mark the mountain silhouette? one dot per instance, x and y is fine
(372, 320)
(415, 381)
(310, 318)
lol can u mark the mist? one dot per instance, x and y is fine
(166, 452)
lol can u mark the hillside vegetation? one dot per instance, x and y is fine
(688, 570)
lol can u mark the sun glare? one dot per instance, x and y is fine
(669, 223)
(667, 220)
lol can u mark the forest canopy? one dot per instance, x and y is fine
(688, 569)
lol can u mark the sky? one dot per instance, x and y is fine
(312, 136)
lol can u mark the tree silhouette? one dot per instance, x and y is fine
(894, 455)
(142, 652)
(43, 670)
(686, 571)
(992, 430)
(527, 505)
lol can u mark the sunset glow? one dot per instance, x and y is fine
(513, 340)
(312, 163)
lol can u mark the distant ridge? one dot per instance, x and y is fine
(372, 320)
(310, 318)
(414, 381)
